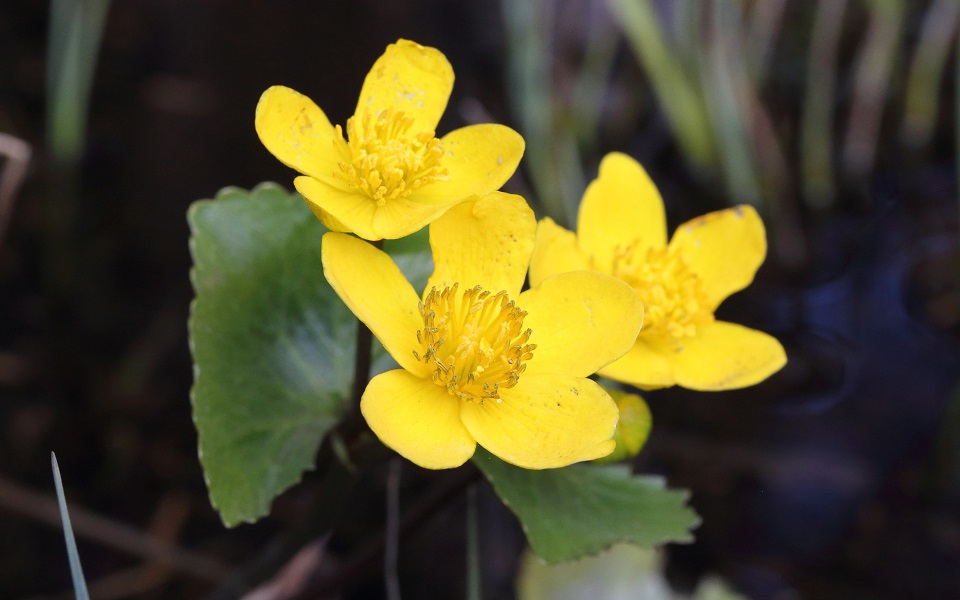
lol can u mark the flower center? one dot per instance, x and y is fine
(475, 340)
(384, 160)
(674, 301)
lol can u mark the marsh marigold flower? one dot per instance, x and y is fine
(621, 230)
(386, 174)
(481, 361)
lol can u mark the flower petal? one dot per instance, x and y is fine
(479, 159)
(485, 241)
(726, 356)
(644, 366)
(418, 419)
(581, 321)
(545, 422)
(349, 211)
(555, 251)
(621, 206)
(725, 248)
(372, 286)
(408, 77)
(298, 133)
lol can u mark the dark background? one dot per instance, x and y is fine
(836, 478)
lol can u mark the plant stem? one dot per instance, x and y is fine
(473, 546)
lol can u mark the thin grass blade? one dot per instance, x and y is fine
(76, 571)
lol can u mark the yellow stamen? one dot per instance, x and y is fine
(474, 340)
(384, 160)
(674, 301)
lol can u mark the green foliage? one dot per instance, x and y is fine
(272, 346)
(583, 509)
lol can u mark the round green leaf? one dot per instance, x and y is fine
(272, 346)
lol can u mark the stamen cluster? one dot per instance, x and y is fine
(475, 340)
(673, 297)
(384, 160)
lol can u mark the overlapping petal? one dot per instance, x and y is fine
(726, 356)
(645, 366)
(298, 133)
(621, 207)
(409, 77)
(479, 159)
(546, 421)
(724, 248)
(348, 211)
(485, 241)
(581, 321)
(556, 251)
(372, 286)
(418, 419)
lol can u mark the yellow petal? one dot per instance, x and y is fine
(479, 159)
(644, 366)
(298, 133)
(349, 211)
(725, 248)
(726, 356)
(484, 241)
(581, 321)
(418, 419)
(545, 422)
(372, 286)
(621, 207)
(328, 220)
(408, 77)
(555, 251)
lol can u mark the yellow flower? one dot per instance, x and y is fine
(621, 230)
(390, 175)
(482, 362)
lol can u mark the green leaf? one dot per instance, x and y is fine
(583, 509)
(272, 346)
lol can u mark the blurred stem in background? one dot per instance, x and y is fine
(551, 156)
(76, 29)
(926, 72)
(817, 120)
(874, 69)
(724, 82)
(675, 86)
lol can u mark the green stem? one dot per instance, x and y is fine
(473, 546)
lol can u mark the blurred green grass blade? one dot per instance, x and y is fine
(816, 128)
(76, 28)
(875, 62)
(724, 79)
(679, 97)
(529, 48)
(590, 84)
(926, 71)
(76, 571)
(764, 26)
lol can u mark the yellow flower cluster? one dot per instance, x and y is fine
(481, 361)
